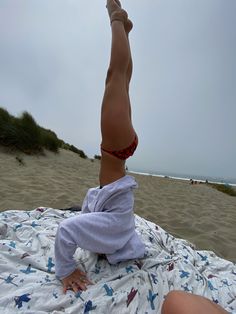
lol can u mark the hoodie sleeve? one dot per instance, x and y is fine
(105, 228)
(97, 232)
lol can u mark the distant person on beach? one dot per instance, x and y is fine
(106, 224)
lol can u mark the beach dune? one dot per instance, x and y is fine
(198, 213)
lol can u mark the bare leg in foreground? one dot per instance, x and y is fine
(179, 302)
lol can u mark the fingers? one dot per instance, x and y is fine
(76, 281)
(82, 286)
(83, 278)
(64, 289)
(77, 285)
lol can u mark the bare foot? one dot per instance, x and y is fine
(112, 6)
(115, 5)
(128, 23)
(118, 2)
(128, 26)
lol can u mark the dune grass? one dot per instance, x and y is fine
(98, 157)
(25, 135)
(227, 189)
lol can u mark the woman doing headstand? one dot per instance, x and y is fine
(106, 223)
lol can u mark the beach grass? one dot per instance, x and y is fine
(227, 189)
(25, 135)
(98, 157)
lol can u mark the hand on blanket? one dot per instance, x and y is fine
(76, 281)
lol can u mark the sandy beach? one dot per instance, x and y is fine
(198, 213)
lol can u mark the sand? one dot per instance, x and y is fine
(198, 213)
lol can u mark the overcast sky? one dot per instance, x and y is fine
(53, 61)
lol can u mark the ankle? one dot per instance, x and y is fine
(119, 15)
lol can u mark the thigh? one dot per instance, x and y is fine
(116, 125)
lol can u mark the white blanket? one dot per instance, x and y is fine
(28, 283)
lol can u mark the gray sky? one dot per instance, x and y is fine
(53, 60)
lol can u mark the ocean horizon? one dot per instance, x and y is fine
(187, 177)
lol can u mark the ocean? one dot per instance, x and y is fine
(187, 177)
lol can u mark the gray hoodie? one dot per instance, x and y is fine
(104, 226)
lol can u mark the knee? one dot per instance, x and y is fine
(108, 77)
(173, 303)
(68, 227)
(114, 74)
(63, 229)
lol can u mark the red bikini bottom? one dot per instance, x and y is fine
(126, 152)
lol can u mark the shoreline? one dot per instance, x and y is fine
(187, 178)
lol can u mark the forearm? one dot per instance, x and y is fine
(65, 248)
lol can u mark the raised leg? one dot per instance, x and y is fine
(128, 27)
(116, 125)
